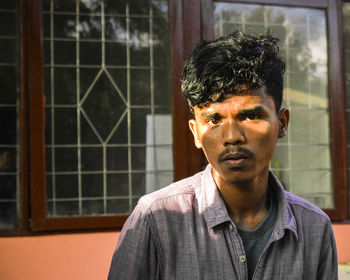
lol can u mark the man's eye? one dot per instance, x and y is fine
(253, 116)
(214, 120)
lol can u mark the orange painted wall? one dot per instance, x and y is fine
(342, 237)
(82, 256)
(57, 257)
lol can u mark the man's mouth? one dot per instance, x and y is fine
(235, 156)
(235, 159)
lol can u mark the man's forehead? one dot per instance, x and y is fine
(248, 98)
(245, 90)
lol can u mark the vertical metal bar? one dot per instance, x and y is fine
(104, 144)
(221, 24)
(151, 62)
(127, 16)
(103, 36)
(104, 151)
(77, 31)
(18, 194)
(244, 21)
(308, 65)
(52, 73)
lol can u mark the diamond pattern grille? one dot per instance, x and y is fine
(104, 105)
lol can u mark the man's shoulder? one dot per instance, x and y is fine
(177, 192)
(305, 208)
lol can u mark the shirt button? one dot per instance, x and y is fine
(230, 227)
(242, 258)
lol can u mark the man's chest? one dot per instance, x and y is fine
(219, 254)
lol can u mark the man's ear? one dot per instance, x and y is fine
(193, 128)
(283, 117)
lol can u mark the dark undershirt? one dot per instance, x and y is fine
(254, 241)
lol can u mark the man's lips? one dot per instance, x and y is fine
(235, 160)
(235, 157)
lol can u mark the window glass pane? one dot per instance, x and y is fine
(302, 160)
(9, 177)
(346, 37)
(107, 86)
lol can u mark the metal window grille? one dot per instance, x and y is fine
(108, 126)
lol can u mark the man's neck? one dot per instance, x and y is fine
(247, 203)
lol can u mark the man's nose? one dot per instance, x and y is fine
(233, 133)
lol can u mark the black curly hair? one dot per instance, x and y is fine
(231, 64)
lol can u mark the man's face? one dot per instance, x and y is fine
(239, 134)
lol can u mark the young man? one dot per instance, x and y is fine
(233, 220)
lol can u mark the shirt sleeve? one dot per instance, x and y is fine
(328, 265)
(136, 254)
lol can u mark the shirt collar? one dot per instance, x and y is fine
(213, 208)
(285, 217)
(210, 202)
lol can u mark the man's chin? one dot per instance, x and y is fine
(240, 180)
(235, 176)
(243, 176)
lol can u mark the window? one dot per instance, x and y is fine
(303, 160)
(108, 122)
(95, 118)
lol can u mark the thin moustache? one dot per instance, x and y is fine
(235, 150)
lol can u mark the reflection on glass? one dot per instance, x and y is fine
(89, 27)
(138, 119)
(106, 72)
(140, 88)
(64, 26)
(158, 151)
(303, 157)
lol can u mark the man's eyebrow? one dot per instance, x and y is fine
(243, 112)
(206, 114)
(256, 109)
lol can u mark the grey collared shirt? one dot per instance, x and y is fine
(183, 231)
